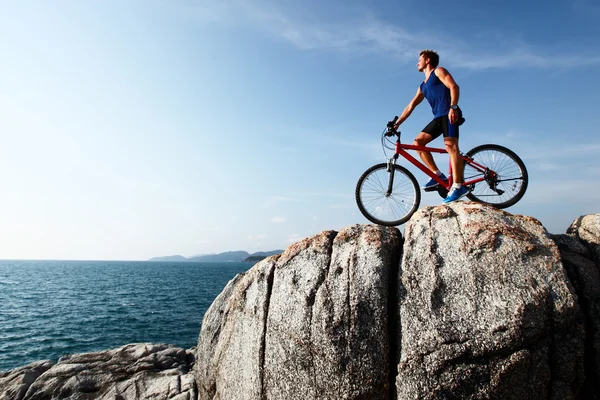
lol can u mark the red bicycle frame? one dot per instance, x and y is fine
(401, 151)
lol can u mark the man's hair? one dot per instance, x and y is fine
(434, 58)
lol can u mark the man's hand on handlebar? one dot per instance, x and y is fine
(391, 127)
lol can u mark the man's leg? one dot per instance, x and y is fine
(423, 139)
(456, 161)
(458, 190)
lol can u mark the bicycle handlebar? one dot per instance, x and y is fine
(391, 131)
(391, 123)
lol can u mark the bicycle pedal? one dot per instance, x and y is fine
(434, 188)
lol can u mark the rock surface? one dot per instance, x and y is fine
(486, 309)
(134, 371)
(475, 303)
(579, 250)
(14, 384)
(310, 324)
(587, 230)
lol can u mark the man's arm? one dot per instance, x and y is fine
(449, 82)
(410, 107)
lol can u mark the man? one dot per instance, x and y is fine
(442, 93)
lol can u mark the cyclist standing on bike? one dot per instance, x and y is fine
(442, 93)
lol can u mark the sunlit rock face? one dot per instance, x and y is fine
(312, 323)
(486, 309)
(472, 303)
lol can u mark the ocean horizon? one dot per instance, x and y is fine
(51, 308)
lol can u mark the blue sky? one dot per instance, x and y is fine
(133, 129)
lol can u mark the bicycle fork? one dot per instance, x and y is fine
(390, 168)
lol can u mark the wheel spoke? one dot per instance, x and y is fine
(511, 176)
(377, 205)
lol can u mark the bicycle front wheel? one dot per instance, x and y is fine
(505, 184)
(383, 206)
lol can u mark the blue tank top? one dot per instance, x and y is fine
(437, 94)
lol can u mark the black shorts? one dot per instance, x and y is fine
(442, 125)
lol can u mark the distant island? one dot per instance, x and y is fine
(228, 256)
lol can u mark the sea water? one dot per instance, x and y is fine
(52, 308)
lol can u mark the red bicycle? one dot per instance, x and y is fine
(388, 194)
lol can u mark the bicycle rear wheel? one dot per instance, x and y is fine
(505, 184)
(387, 209)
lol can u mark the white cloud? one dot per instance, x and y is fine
(524, 57)
(364, 36)
(368, 35)
(278, 220)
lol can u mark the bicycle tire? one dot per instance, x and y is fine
(377, 206)
(512, 177)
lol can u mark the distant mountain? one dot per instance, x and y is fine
(169, 258)
(261, 255)
(266, 253)
(228, 256)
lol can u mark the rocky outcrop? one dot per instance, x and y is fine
(311, 324)
(486, 309)
(482, 307)
(135, 371)
(587, 230)
(474, 303)
(14, 384)
(580, 253)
